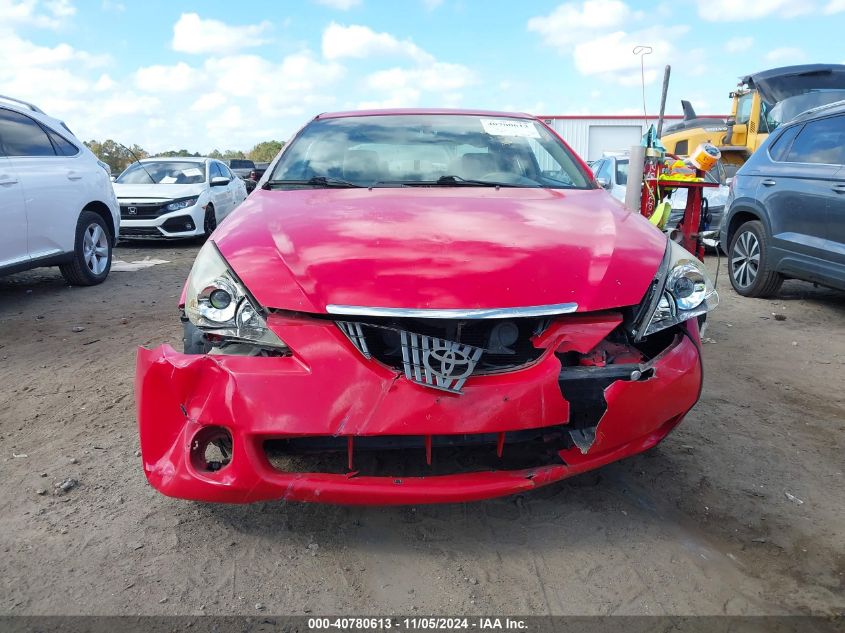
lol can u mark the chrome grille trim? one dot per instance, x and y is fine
(356, 335)
(435, 313)
(418, 350)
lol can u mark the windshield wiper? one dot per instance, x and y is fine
(318, 181)
(458, 180)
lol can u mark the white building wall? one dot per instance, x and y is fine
(577, 133)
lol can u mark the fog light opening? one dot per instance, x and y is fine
(211, 449)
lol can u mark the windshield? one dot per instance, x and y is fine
(444, 150)
(163, 172)
(791, 107)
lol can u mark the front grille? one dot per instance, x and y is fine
(419, 455)
(443, 353)
(139, 231)
(142, 211)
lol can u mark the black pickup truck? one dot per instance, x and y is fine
(242, 168)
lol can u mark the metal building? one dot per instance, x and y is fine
(590, 135)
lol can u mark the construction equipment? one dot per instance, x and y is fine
(761, 102)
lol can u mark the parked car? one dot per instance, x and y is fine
(786, 207)
(414, 285)
(176, 197)
(243, 169)
(612, 173)
(56, 200)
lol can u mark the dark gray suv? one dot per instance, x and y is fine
(786, 207)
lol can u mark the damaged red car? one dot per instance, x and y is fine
(421, 306)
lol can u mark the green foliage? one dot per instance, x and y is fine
(115, 155)
(265, 151)
(182, 153)
(118, 157)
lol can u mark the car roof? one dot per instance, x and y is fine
(181, 159)
(420, 111)
(36, 113)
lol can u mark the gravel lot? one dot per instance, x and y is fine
(740, 511)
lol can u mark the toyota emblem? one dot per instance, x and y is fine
(448, 361)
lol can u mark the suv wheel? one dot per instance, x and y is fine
(92, 252)
(749, 267)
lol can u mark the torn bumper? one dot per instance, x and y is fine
(327, 390)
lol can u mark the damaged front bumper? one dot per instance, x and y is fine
(326, 392)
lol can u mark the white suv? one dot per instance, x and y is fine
(57, 205)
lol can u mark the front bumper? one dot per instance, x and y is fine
(328, 390)
(187, 222)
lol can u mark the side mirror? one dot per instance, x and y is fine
(728, 181)
(219, 181)
(113, 178)
(604, 183)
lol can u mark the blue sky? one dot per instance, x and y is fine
(167, 74)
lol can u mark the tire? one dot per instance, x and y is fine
(749, 265)
(192, 339)
(209, 222)
(92, 252)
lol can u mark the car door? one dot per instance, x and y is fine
(236, 187)
(795, 187)
(13, 225)
(220, 194)
(52, 184)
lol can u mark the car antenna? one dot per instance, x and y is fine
(149, 175)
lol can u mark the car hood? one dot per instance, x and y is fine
(156, 192)
(449, 247)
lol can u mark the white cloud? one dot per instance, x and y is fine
(160, 78)
(28, 13)
(786, 54)
(596, 34)
(431, 5)
(571, 22)
(834, 6)
(734, 11)
(340, 5)
(193, 34)
(361, 41)
(113, 6)
(61, 8)
(739, 44)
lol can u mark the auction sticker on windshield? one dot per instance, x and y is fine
(510, 127)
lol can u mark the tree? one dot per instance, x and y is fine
(182, 153)
(116, 156)
(265, 151)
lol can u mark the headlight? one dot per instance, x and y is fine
(181, 204)
(219, 304)
(682, 291)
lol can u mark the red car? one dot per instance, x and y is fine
(421, 306)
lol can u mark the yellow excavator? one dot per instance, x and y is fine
(761, 102)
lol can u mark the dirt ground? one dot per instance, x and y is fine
(703, 524)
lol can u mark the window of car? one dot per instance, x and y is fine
(22, 136)
(214, 170)
(780, 146)
(62, 146)
(820, 141)
(239, 163)
(621, 172)
(163, 172)
(397, 150)
(225, 172)
(606, 170)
